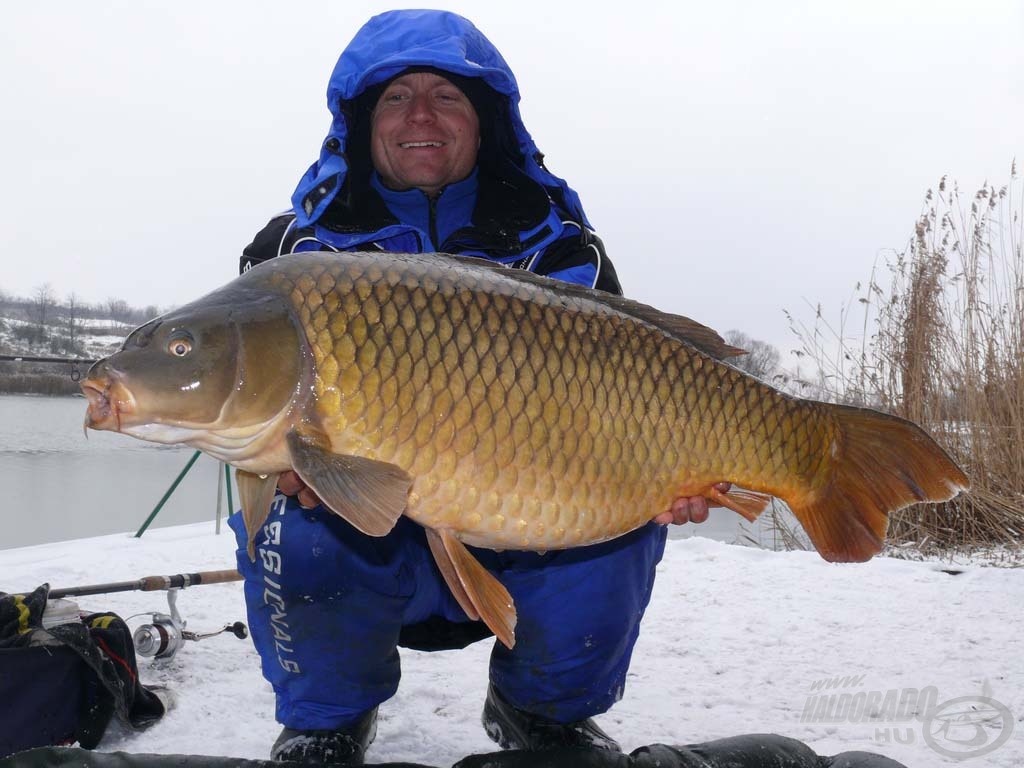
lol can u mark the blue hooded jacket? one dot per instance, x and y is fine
(384, 47)
(525, 216)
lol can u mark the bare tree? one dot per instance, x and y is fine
(761, 360)
(120, 312)
(43, 304)
(72, 324)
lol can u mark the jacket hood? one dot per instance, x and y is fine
(384, 47)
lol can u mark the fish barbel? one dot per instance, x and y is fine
(498, 409)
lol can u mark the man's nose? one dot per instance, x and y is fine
(420, 109)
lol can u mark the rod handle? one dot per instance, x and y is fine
(217, 577)
(182, 580)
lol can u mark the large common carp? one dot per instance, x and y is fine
(498, 409)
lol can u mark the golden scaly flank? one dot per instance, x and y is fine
(528, 420)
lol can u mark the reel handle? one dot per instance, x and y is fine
(238, 629)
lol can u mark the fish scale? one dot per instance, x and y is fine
(499, 409)
(547, 390)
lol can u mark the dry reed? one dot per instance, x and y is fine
(942, 344)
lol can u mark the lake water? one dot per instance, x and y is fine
(60, 485)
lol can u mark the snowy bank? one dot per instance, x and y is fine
(736, 640)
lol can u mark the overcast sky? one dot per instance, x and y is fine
(738, 158)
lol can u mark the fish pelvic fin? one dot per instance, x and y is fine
(881, 464)
(476, 589)
(369, 494)
(749, 504)
(256, 493)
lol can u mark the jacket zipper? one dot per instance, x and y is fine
(432, 221)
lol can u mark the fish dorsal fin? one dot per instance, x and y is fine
(680, 328)
(475, 588)
(256, 493)
(369, 494)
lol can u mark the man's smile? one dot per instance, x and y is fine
(416, 144)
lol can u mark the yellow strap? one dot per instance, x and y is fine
(101, 622)
(23, 614)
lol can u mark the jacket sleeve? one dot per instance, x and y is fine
(268, 242)
(278, 237)
(579, 257)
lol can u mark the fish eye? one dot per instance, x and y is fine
(179, 347)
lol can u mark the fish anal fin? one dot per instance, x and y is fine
(471, 582)
(748, 504)
(369, 494)
(451, 578)
(256, 493)
(881, 464)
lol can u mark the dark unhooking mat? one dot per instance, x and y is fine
(751, 751)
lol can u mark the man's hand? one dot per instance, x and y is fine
(685, 509)
(688, 509)
(290, 484)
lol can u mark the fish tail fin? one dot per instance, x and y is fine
(880, 464)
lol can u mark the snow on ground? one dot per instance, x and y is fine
(735, 641)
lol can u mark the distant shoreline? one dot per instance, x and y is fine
(43, 384)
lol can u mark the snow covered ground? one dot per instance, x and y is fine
(736, 640)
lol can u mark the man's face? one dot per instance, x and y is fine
(425, 133)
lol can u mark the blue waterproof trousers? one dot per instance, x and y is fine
(326, 605)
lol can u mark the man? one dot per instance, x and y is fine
(427, 152)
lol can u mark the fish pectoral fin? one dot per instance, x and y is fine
(476, 589)
(749, 504)
(255, 493)
(369, 494)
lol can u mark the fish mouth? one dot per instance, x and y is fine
(109, 401)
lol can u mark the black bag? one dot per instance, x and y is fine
(750, 751)
(65, 683)
(40, 695)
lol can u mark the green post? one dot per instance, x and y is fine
(220, 498)
(160, 504)
(227, 478)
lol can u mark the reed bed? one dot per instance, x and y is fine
(936, 335)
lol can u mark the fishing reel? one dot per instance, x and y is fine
(165, 634)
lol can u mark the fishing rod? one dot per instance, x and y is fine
(74, 362)
(165, 633)
(151, 583)
(32, 359)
